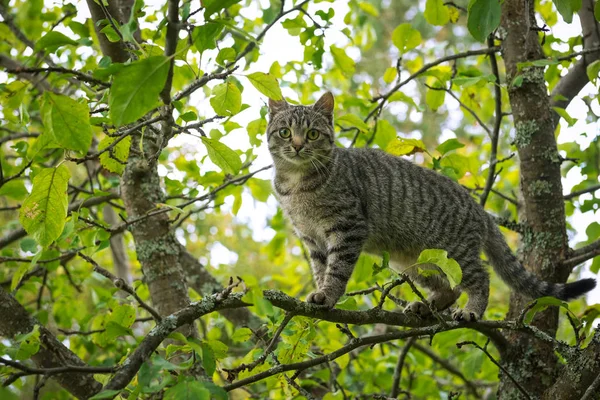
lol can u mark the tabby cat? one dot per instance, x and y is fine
(345, 201)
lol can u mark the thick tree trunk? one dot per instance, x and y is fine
(533, 363)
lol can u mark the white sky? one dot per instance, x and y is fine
(279, 46)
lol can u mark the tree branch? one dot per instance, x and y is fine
(94, 201)
(577, 193)
(571, 84)
(398, 371)
(122, 285)
(14, 320)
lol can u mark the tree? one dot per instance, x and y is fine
(98, 114)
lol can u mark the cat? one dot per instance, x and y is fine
(342, 202)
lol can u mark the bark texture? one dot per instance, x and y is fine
(544, 243)
(14, 320)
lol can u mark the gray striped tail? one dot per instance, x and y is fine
(511, 271)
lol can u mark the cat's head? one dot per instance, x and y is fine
(301, 136)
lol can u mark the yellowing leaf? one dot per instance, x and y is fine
(403, 147)
(135, 89)
(368, 8)
(67, 121)
(266, 84)
(227, 99)
(390, 74)
(114, 160)
(43, 213)
(225, 158)
(406, 38)
(436, 13)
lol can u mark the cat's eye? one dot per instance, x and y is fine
(313, 134)
(285, 133)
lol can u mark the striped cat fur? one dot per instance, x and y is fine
(342, 202)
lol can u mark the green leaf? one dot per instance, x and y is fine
(385, 264)
(518, 81)
(255, 128)
(440, 258)
(385, 133)
(266, 84)
(29, 344)
(105, 394)
(449, 145)
(14, 189)
(435, 98)
(28, 244)
(567, 8)
(188, 389)
(541, 304)
(390, 74)
(67, 120)
(597, 11)
(403, 147)
(483, 18)
(135, 89)
(226, 55)
(213, 6)
(222, 156)
(593, 71)
(241, 335)
(208, 359)
(352, 121)
(114, 330)
(406, 38)
(436, 13)
(227, 99)
(43, 213)
(565, 115)
(114, 159)
(343, 62)
(52, 40)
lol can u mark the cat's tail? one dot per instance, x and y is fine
(508, 267)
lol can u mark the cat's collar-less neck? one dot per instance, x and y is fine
(290, 180)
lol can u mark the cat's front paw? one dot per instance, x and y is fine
(319, 297)
(465, 315)
(418, 309)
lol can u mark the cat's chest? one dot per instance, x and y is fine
(304, 213)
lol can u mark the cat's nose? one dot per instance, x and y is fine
(297, 144)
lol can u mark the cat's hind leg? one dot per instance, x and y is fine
(476, 282)
(442, 295)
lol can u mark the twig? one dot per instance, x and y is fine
(252, 45)
(576, 193)
(498, 121)
(270, 347)
(78, 74)
(399, 366)
(53, 371)
(122, 285)
(387, 288)
(492, 359)
(447, 366)
(201, 82)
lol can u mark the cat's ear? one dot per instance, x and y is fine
(325, 105)
(276, 106)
